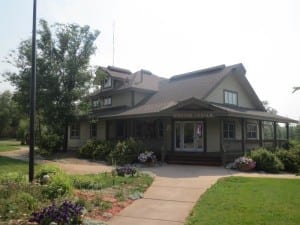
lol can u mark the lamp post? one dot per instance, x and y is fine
(32, 96)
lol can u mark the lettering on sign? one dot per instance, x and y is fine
(192, 115)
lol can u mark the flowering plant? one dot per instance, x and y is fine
(147, 157)
(125, 170)
(244, 163)
(67, 213)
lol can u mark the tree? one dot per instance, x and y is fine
(269, 108)
(63, 75)
(296, 89)
(9, 115)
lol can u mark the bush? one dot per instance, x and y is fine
(48, 170)
(126, 152)
(59, 186)
(266, 161)
(66, 213)
(290, 159)
(49, 144)
(97, 150)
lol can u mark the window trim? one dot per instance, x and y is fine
(105, 80)
(75, 130)
(247, 130)
(234, 131)
(231, 92)
(108, 97)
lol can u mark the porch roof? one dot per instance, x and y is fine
(252, 114)
(167, 109)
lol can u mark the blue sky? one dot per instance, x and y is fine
(171, 37)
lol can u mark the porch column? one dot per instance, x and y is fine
(222, 150)
(243, 135)
(287, 131)
(260, 133)
(275, 134)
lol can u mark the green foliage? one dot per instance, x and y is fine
(50, 170)
(63, 73)
(290, 159)
(97, 150)
(9, 115)
(12, 177)
(248, 201)
(23, 131)
(59, 186)
(49, 144)
(266, 161)
(126, 152)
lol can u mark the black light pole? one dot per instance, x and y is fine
(32, 96)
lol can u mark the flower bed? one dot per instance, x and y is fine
(244, 164)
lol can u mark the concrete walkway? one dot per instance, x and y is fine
(172, 195)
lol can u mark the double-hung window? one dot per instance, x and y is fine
(251, 131)
(230, 97)
(75, 131)
(93, 130)
(107, 101)
(229, 130)
(107, 82)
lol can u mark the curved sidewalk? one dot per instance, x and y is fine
(172, 195)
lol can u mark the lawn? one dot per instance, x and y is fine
(9, 145)
(248, 201)
(13, 165)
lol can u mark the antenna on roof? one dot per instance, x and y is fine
(113, 57)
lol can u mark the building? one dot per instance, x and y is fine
(208, 116)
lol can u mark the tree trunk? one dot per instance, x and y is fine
(65, 144)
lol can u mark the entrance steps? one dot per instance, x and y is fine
(192, 158)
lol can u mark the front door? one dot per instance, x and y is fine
(189, 136)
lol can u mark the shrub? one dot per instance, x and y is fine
(66, 213)
(86, 182)
(266, 161)
(49, 144)
(126, 170)
(244, 163)
(126, 152)
(48, 170)
(97, 150)
(290, 159)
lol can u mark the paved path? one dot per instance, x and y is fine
(171, 197)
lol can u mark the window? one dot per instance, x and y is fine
(75, 131)
(96, 103)
(251, 131)
(107, 101)
(230, 97)
(107, 82)
(229, 130)
(93, 130)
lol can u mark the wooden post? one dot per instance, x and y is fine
(243, 135)
(222, 150)
(287, 131)
(205, 134)
(260, 133)
(275, 134)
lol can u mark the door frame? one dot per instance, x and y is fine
(181, 127)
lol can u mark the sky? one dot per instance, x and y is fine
(170, 37)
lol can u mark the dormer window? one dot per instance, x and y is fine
(107, 101)
(107, 82)
(230, 97)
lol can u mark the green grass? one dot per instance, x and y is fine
(248, 201)
(9, 145)
(12, 165)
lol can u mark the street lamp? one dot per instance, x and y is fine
(32, 96)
